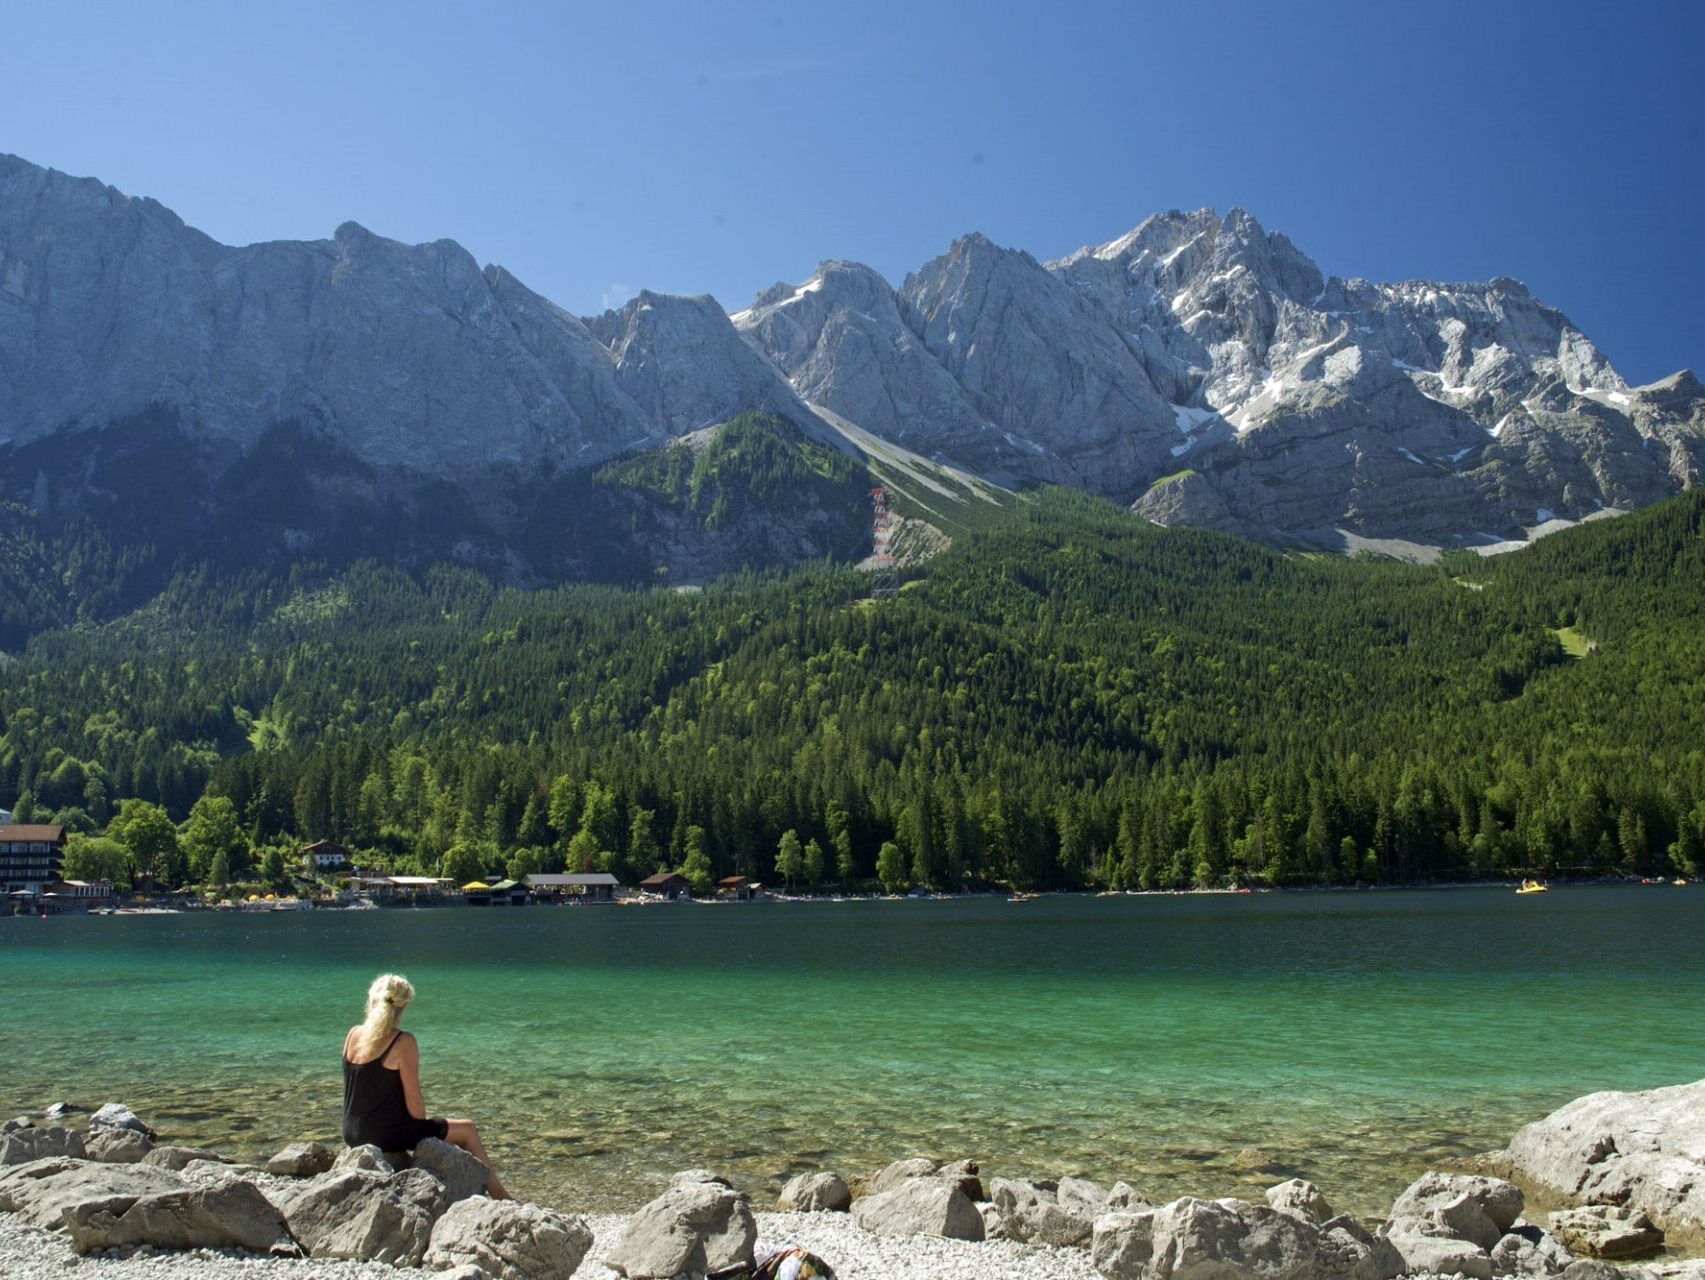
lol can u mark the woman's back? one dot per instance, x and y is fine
(375, 1109)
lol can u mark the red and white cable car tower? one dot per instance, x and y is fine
(884, 582)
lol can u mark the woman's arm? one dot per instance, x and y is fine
(408, 1065)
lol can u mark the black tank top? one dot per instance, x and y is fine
(374, 1109)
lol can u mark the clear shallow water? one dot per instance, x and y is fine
(1352, 1038)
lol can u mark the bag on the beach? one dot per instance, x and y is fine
(790, 1262)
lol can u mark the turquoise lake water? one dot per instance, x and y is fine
(1355, 1039)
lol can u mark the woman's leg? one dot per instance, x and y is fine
(466, 1136)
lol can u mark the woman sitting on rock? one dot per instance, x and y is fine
(381, 1084)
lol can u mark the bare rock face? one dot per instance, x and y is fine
(1037, 362)
(509, 1240)
(842, 342)
(1305, 408)
(1302, 407)
(1643, 1151)
(685, 365)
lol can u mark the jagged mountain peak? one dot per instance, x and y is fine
(1195, 342)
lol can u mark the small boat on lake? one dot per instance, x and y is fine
(1533, 886)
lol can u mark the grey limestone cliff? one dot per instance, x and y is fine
(1200, 368)
(1203, 368)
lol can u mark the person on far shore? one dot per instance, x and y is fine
(381, 1084)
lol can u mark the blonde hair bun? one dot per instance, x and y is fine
(389, 989)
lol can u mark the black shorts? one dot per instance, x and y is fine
(403, 1135)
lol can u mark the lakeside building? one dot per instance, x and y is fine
(324, 855)
(740, 888)
(597, 886)
(667, 884)
(31, 855)
(400, 888)
(78, 895)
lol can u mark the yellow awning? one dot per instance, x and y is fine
(476, 886)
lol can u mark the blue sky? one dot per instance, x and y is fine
(716, 146)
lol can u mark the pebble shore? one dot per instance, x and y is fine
(30, 1253)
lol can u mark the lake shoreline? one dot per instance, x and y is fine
(292, 907)
(898, 1223)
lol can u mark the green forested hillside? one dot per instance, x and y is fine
(1066, 697)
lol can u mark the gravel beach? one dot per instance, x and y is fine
(30, 1253)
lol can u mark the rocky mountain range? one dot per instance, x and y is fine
(1199, 368)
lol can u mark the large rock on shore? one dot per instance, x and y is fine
(1053, 1213)
(115, 1115)
(460, 1171)
(815, 1193)
(510, 1240)
(1300, 1198)
(371, 1217)
(367, 1157)
(1531, 1251)
(1346, 1250)
(1605, 1231)
(1457, 1207)
(24, 1145)
(234, 1215)
(692, 1227)
(176, 1158)
(1442, 1255)
(1639, 1150)
(117, 1146)
(300, 1160)
(920, 1206)
(44, 1193)
(1447, 1223)
(1192, 1239)
(892, 1175)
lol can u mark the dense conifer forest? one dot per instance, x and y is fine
(1067, 697)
